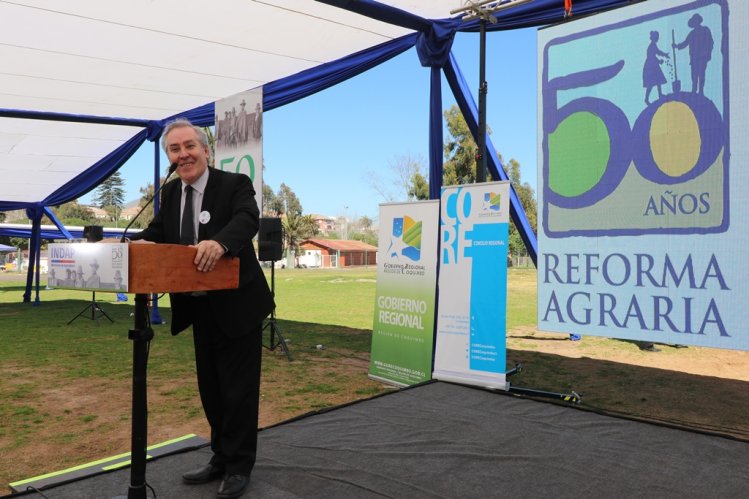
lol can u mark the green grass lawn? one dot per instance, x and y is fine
(49, 369)
(314, 306)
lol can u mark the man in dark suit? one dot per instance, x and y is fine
(216, 212)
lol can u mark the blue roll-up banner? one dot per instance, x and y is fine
(643, 219)
(472, 304)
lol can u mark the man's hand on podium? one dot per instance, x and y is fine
(209, 252)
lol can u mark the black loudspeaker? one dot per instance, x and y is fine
(270, 240)
(93, 233)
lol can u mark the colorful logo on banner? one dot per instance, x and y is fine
(406, 239)
(491, 201)
(635, 123)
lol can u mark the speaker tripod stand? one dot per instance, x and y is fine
(276, 338)
(93, 307)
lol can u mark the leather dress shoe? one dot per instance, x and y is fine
(233, 486)
(204, 474)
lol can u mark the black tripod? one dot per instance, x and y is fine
(276, 338)
(93, 307)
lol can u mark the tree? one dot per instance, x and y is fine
(282, 203)
(146, 193)
(527, 198)
(110, 195)
(297, 228)
(362, 231)
(400, 188)
(73, 210)
(2, 216)
(20, 242)
(460, 168)
(366, 237)
(366, 223)
(419, 188)
(459, 149)
(288, 202)
(271, 204)
(73, 213)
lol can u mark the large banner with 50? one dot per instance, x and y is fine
(643, 215)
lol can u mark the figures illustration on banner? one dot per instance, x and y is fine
(237, 128)
(652, 74)
(700, 43)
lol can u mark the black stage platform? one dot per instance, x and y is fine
(450, 441)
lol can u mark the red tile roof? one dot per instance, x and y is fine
(338, 245)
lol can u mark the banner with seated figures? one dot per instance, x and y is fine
(643, 213)
(88, 266)
(239, 137)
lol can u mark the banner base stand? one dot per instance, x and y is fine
(387, 381)
(573, 398)
(495, 382)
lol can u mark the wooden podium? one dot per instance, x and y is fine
(168, 268)
(160, 268)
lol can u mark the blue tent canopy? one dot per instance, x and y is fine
(5, 248)
(432, 39)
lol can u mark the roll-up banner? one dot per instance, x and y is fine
(643, 178)
(239, 137)
(403, 330)
(472, 317)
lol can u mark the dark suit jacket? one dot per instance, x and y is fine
(229, 198)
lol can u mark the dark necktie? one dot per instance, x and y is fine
(187, 233)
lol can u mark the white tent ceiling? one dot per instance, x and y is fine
(150, 59)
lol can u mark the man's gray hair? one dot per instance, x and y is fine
(183, 122)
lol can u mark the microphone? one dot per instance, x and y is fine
(172, 169)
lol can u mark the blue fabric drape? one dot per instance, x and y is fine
(71, 118)
(55, 233)
(382, 12)
(292, 88)
(470, 113)
(433, 46)
(35, 214)
(51, 215)
(435, 134)
(433, 49)
(92, 177)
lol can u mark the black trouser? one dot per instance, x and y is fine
(229, 385)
